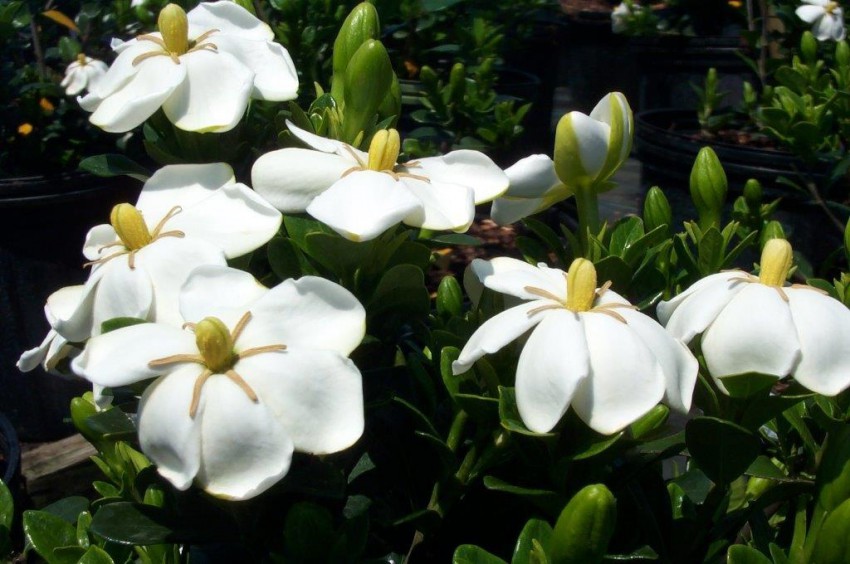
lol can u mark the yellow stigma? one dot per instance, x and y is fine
(776, 260)
(81, 59)
(174, 27)
(130, 226)
(384, 149)
(830, 7)
(581, 285)
(215, 344)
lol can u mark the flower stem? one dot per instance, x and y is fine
(587, 203)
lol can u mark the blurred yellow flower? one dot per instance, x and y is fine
(735, 3)
(46, 105)
(25, 129)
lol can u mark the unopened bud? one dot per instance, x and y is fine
(708, 187)
(656, 210)
(809, 48)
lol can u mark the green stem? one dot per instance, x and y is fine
(456, 430)
(587, 203)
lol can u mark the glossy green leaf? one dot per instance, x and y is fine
(749, 384)
(69, 508)
(832, 545)
(132, 523)
(114, 165)
(308, 531)
(120, 323)
(722, 449)
(112, 423)
(284, 258)
(95, 555)
(549, 500)
(525, 549)
(584, 527)
(743, 554)
(471, 554)
(7, 507)
(47, 532)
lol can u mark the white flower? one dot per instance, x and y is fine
(757, 324)
(254, 374)
(589, 348)
(826, 17)
(534, 187)
(60, 304)
(360, 195)
(83, 74)
(201, 69)
(186, 216)
(620, 15)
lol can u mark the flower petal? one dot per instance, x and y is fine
(625, 379)
(467, 168)
(308, 313)
(167, 435)
(592, 138)
(497, 332)
(317, 396)
(513, 277)
(121, 292)
(290, 178)
(319, 143)
(443, 206)
(553, 362)
(214, 95)
(823, 326)
(182, 186)
(532, 177)
(692, 311)
(153, 83)
(753, 333)
(119, 74)
(810, 13)
(228, 18)
(363, 205)
(121, 357)
(218, 291)
(275, 77)
(244, 448)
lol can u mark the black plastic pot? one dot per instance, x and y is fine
(43, 223)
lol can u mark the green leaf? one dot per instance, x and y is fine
(509, 414)
(95, 555)
(132, 523)
(615, 270)
(47, 532)
(112, 423)
(337, 254)
(748, 384)
(483, 409)
(119, 323)
(710, 252)
(401, 291)
(455, 239)
(471, 554)
(762, 467)
(7, 507)
(721, 449)
(114, 165)
(69, 508)
(534, 530)
(546, 499)
(743, 554)
(284, 258)
(642, 554)
(308, 531)
(83, 524)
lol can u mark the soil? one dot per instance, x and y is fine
(576, 7)
(738, 137)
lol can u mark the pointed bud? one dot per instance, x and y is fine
(130, 226)
(367, 81)
(391, 105)
(753, 193)
(449, 297)
(384, 150)
(773, 230)
(361, 25)
(656, 210)
(584, 527)
(708, 188)
(776, 260)
(174, 27)
(809, 48)
(581, 285)
(215, 344)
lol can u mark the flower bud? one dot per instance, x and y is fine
(367, 81)
(457, 83)
(449, 297)
(708, 187)
(384, 149)
(130, 226)
(174, 27)
(361, 25)
(215, 344)
(655, 418)
(391, 105)
(581, 285)
(773, 230)
(776, 260)
(842, 54)
(656, 210)
(809, 48)
(584, 527)
(753, 193)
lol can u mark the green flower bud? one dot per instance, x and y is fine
(773, 230)
(708, 188)
(833, 478)
(584, 527)
(842, 54)
(457, 83)
(656, 417)
(361, 25)
(753, 192)
(449, 297)
(847, 238)
(391, 105)
(656, 210)
(833, 539)
(367, 81)
(809, 48)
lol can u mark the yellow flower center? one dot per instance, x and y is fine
(384, 150)
(81, 59)
(581, 285)
(130, 226)
(215, 343)
(776, 260)
(173, 25)
(830, 7)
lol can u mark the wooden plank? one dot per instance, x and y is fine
(54, 470)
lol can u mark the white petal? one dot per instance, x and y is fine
(753, 333)
(31, 358)
(363, 205)
(810, 13)
(625, 380)
(319, 143)
(121, 357)
(182, 186)
(513, 277)
(218, 291)
(677, 363)
(467, 168)
(824, 28)
(76, 324)
(167, 435)
(823, 328)
(505, 211)
(443, 206)
(214, 95)
(532, 177)
(311, 313)
(122, 292)
(62, 303)
(74, 82)
(592, 137)
(275, 75)
(168, 263)
(153, 83)
(244, 448)
(97, 238)
(119, 74)
(228, 18)
(235, 219)
(290, 178)
(497, 332)
(317, 396)
(553, 362)
(692, 311)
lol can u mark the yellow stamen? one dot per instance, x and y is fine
(130, 226)
(174, 27)
(776, 260)
(81, 59)
(384, 150)
(581, 285)
(830, 7)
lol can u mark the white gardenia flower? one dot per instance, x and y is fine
(253, 375)
(760, 324)
(534, 187)
(588, 348)
(360, 195)
(83, 74)
(186, 216)
(60, 304)
(826, 17)
(201, 69)
(620, 15)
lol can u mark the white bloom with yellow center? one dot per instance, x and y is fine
(201, 69)
(360, 195)
(83, 74)
(589, 348)
(253, 375)
(60, 304)
(826, 17)
(760, 324)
